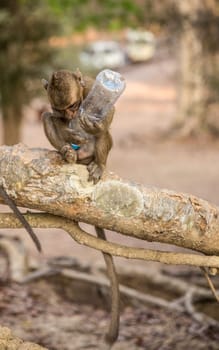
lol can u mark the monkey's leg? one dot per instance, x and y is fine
(102, 148)
(113, 331)
(20, 217)
(54, 129)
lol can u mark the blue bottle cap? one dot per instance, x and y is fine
(75, 147)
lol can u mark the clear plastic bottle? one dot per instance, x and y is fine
(105, 91)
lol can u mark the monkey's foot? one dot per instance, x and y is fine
(95, 172)
(69, 154)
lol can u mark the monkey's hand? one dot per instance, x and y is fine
(92, 127)
(68, 154)
(95, 172)
(72, 136)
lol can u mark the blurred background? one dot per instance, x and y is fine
(165, 130)
(166, 125)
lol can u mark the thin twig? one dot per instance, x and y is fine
(210, 283)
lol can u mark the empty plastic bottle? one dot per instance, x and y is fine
(105, 91)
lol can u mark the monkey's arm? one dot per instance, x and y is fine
(61, 136)
(58, 132)
(96, 128)
(20, 217)
(103, 144)
(96, 167)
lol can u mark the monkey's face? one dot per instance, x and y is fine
(71, 111)
(65, 93)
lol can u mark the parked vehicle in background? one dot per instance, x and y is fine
(102, 54)
(140, 45)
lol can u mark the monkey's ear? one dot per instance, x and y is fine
(79, 77)
(45, 83)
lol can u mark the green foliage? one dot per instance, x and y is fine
(25, 29)
(114, 14)
(110, 14)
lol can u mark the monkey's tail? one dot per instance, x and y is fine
(113, 331)
(20, 216)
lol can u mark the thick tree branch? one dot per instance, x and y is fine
(40, 179)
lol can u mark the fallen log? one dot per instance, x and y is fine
(40, 179)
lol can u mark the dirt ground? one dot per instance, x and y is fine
(59, 324)
(144, 112)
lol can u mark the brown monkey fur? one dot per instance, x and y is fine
(66, 90)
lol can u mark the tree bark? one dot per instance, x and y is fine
(192, 88)
(40, 179)
(196, 64)
(12, 118)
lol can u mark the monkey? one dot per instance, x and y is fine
(86, 142)
(20, 217)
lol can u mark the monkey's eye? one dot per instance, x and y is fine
(74, 107)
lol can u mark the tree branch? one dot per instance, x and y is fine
(40, 179)
(52, 221)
